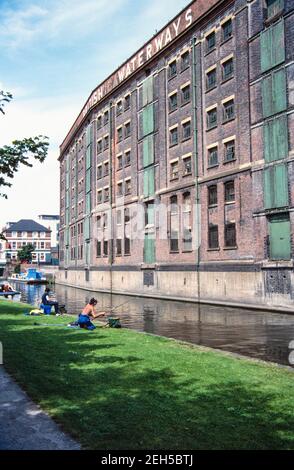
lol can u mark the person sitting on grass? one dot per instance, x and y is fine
(46, 300)
(89, 312)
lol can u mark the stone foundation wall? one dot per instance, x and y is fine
(265, 289)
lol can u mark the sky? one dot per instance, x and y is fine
(53, 54)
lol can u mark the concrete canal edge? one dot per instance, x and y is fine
(249, 306)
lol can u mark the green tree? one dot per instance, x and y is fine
(24, 255)
(20, 152)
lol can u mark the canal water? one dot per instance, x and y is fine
(258, 334)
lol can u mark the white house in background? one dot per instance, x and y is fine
(52, 223)
(25, 232)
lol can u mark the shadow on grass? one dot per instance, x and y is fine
(128, 401)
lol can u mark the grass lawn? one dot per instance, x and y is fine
(118, 389)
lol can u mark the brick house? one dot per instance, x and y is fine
(25, 232)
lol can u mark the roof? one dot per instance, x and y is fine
(49, 216)
(197, 8)
(27, 225)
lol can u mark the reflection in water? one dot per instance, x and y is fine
(263, 335)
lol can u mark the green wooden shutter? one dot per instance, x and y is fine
(148, 91)
(148, 151)
(149, 182)
(150, 214)
(268, 188)
(272, 46)
(89, 157)
(88, 203)
(280, 237)
(275, 134)
(279, 91)
(149, 249)
(266, 49)
(88, 181)
(274, 7)
(87, 228)
(276, 187)
(267, 102)
(280, 133)
(148, 120)
(281, 185)
(274, 94)
(89, 135)
(278, 43)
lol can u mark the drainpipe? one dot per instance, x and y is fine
(111, 244)
(196, 159)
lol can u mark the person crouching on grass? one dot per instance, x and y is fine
(88, 313)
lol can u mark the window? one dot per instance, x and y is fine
(119, 189)
(98, 249)
(106, 168)
(187, 166)
(213, 237)
(105, 247)
(230, 191)
(228, 111)
(99, 146)
(106, 194)
(186, 130)
(118, 247)
(212, 118)
(186, 96)
(128, 187)
(174, 225)
(118, 218)
(230, 235)
(119, 162)
(127, 215)
(127, 102)
(172, 69)
(173, 102)
(212, 196)
(173, 137)
(210, 42)
(211, 80)
(274, 7)
(230, 151)
(99, 172)
(187, 222)
(127, 246)
(174, 170)
(119, 108)
(119, 134)
(127, 158)
(228, 69)
(212, 157)
(185, 60)
(99, 122)
(227, 30)
(106, 142)
(106, 117)
(99, 197)
(127, 130)
(127, 241)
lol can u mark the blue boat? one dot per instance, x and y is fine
(32, 276)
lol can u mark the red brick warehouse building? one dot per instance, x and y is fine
(200, 121)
